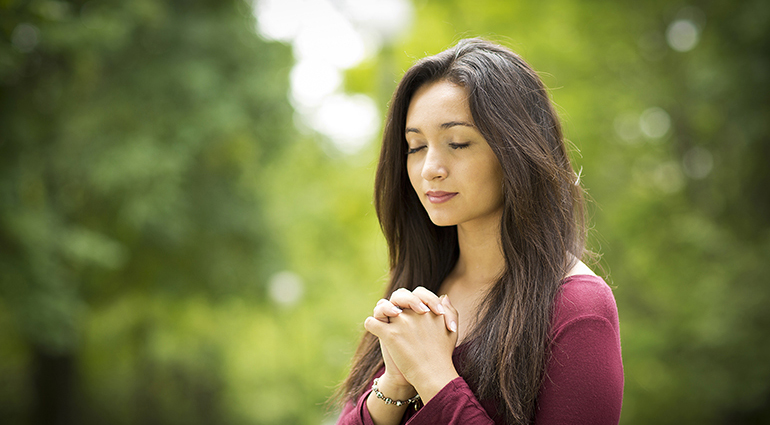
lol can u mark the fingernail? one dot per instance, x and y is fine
(440, 309)
(397, 310)
(453, 326)
(424, 307)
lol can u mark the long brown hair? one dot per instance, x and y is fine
(542, 229)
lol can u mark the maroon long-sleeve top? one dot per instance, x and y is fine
(583, 381)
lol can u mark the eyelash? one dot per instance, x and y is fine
(459, 145)
(451, 145)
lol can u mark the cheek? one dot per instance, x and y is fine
(413, 170)
(494, 182)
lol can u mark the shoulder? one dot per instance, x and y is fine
(583, 381)
(584, 297)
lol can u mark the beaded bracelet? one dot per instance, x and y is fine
(389, 400)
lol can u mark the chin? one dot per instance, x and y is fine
(442, 221)
(444, 225)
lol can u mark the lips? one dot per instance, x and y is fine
(438, 197)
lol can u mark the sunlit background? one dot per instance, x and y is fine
(186, 228)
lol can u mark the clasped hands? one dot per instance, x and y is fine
(418, 333)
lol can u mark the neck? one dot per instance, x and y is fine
(481, 260)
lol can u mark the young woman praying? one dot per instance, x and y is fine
(490, 316)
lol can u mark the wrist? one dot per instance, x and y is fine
(388, 400)
(397, 388)
(433, 384)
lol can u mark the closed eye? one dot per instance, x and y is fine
(459, 145)
(414, 150)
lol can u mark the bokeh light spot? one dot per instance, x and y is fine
(312, 81)
(332, 39)
(627, 127)
(328, 37)
(654, 122)
(697, 163)
(286, 288)
(682, 35)
(351, 121)
(25, 37)
(278, 20)
(668, 177)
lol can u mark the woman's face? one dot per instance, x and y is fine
(451, 166)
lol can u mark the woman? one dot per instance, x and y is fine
(490, 316)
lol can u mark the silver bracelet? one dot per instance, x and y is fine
(389, 400)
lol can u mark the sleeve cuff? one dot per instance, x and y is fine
(363, 411)
(454, 404)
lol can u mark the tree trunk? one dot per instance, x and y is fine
(54, 388)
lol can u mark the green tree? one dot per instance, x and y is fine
(133, 139)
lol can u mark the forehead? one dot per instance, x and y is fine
(438, 102)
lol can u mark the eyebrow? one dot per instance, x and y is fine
(443, 126)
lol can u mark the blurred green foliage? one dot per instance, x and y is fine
(152, 186)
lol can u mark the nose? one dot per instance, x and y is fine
(434, 167)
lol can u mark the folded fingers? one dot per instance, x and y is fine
(385, 309)
(430, 299)
(404, 298)
(452, 317)
(421, 300)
